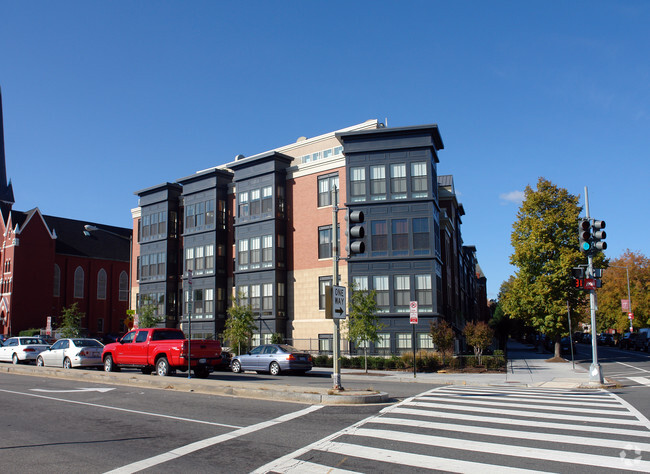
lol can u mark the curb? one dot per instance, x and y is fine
(309, 395)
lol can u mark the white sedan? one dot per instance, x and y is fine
(21, 349)
(75, 352)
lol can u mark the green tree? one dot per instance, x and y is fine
(71, 321)
(363, 324)
(478, 335)
(545, 244)
(147, 317)
(442, 336)
(610, 314)
(240, 325)
(500, 323)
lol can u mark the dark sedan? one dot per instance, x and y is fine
(273, 358)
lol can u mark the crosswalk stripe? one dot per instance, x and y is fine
(306, 467)
(504, 449)
(509, 395)
(499, 403)
(640, 380)
(529, 414)
(516, 434)
(518, 422)
(542, 400)
(421, 460)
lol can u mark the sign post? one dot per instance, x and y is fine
(413, 319)
(189, 325)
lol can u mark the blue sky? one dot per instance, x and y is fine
(102, 99)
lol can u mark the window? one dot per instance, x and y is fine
(358, 184)
(402, 293)
(209, 213)
(325, 242)
(199, 260)
(256, 204)
(378, 183)
(403, 340)
(146, 220)
(419, 184)
(398, 181)
(267, 199)
(380, 285)
(200, 214)
(379, 238)
(360, 283)
(421, 244)
(100, 325)
(255, 252)
(400, 237)
(57, 280)
(424, 341)
(255, 298)
(101, 284)
(424, 293)
(190, 218)
(338, 150)
(243, 204)
(189, 259)
(325, 186)
(323, 282)
(383, 342)
(209, 258)
(325, 343)
(124, 286)
(281, 297)
(243, 254)
(243, 295)
(267, 297)
(267, 251)
(79, 283)
(208, 301)
(198, 301)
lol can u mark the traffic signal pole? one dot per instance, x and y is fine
(595, 370)
(336, 376)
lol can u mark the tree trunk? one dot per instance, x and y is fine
(558, 346)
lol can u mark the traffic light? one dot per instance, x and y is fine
(598, 236)
(356, 233)
(584, 232)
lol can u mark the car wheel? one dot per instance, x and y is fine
(162, 367)
(40, 362)
(14, 359)
(108, 364)
(274, 368)
(67, 363)
(236, 366)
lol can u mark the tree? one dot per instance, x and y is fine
(363, 325)
(545, 244)
(610, 314)
(442, 336)
(240, 325)
(500, 323)
(147, 317)
(479, 336)
(71, 321)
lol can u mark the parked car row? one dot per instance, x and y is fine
(637, 341)
(153, 350)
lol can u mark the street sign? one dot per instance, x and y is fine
(48, 327)
(590, 283)
(338, 302)
(630, 316)
(413, 312)
(625, 305)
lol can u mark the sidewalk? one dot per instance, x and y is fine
(526, 368)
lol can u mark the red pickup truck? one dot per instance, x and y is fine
(164, 350)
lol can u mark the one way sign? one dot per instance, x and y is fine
(338, 302)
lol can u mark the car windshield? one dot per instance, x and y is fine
(86, 343)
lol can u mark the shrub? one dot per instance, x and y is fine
(30, 332)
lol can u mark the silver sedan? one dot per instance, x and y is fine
(74, 352)
(272, 358)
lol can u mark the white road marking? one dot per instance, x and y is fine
(528, 435)
(501, 449)
(75, 402)
(633, 367)
(524, 401)
(192, 447)
(101, 390)
(641, 380)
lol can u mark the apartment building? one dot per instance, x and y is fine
(261, 228)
